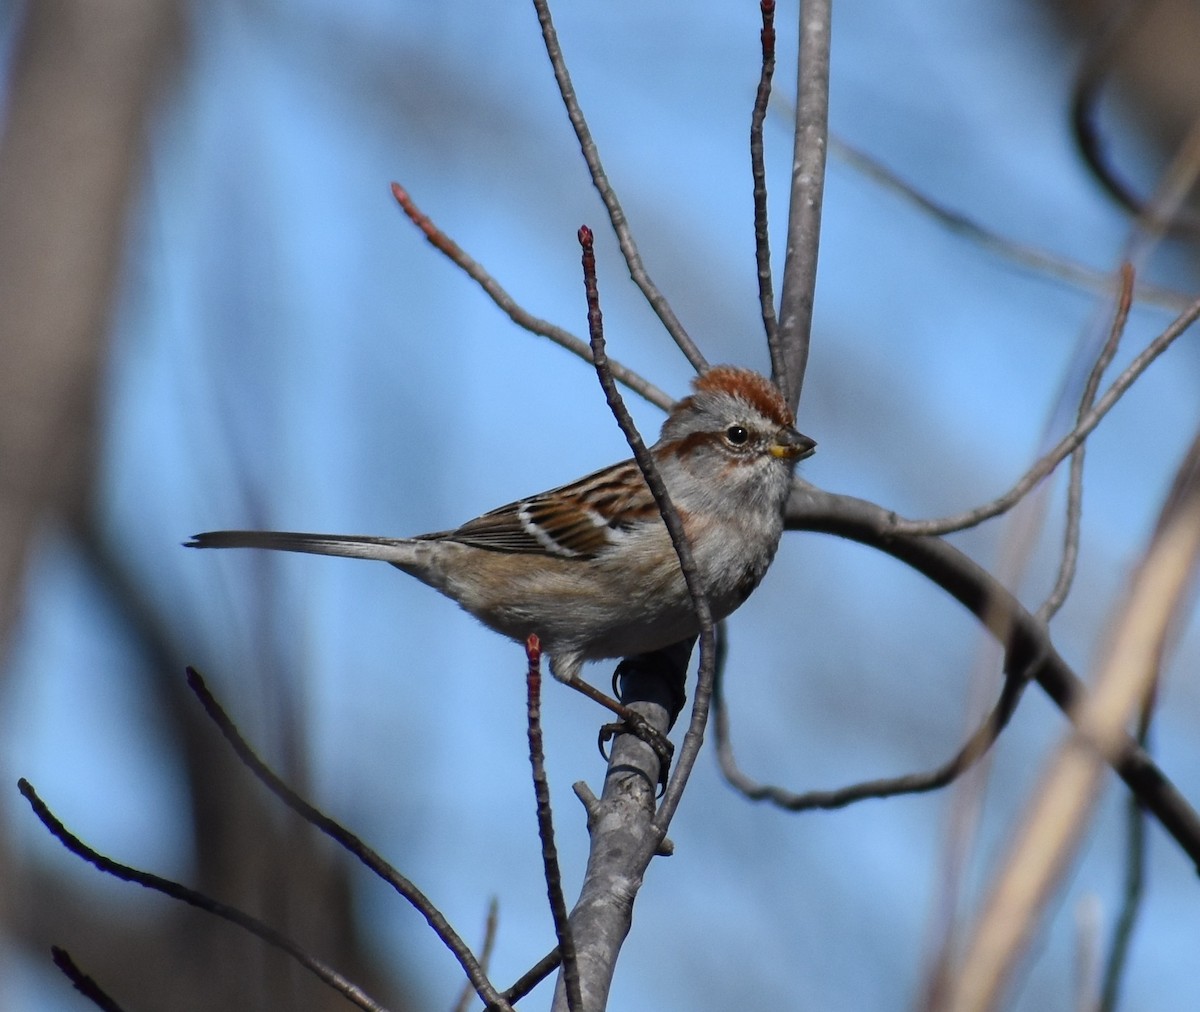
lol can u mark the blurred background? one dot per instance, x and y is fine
(214, 315)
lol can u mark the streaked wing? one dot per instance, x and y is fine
(576, 521)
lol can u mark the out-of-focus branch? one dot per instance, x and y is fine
(348, 841)
(351, 991)
(807, 195)
(1093, 74)
(82, 85)
(1051, 833)
(1031, 258)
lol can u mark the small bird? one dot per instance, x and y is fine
(589, 567)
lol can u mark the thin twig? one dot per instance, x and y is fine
(347, 840)
(82, 983)
(545, 820)
(885, 787)
(125, 873)
(1070, 553)
(531, 978)
(762, 235)
(687, 563)
(1029, 257)
(616, 215)
(1028, 649)
(807, 194)
(491, 927)
(512, 309)
(1066, 445)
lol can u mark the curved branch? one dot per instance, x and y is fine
(1085, 98)
(1026, 642)
(1086, 424)
(885, 787)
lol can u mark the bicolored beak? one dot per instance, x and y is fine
(792, 445)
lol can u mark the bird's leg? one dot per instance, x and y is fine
(631, 722)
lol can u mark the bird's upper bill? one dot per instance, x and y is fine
(792, 445)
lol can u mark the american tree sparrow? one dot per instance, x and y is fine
(589, 567)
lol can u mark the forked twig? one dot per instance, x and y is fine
(616, 215)
(347, 840)
(175, 890)
(541, 791)
(511, 308)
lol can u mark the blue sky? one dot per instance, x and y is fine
(288, 352)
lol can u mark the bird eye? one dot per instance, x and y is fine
(737, 435)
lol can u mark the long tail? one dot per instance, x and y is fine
(396, 550)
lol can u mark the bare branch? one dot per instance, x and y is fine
(687, 564)
(531, 978)
(82, 983)
(807, 194)
(541, 791)
(1025, 640)
(762, 234)
(348, 841)
(1070, 555)
(976, 747)
(512, 309)
(625, 833)
(1066, 445)
(352, 992)
(616, 215)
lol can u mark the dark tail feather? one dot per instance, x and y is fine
(348, 545)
